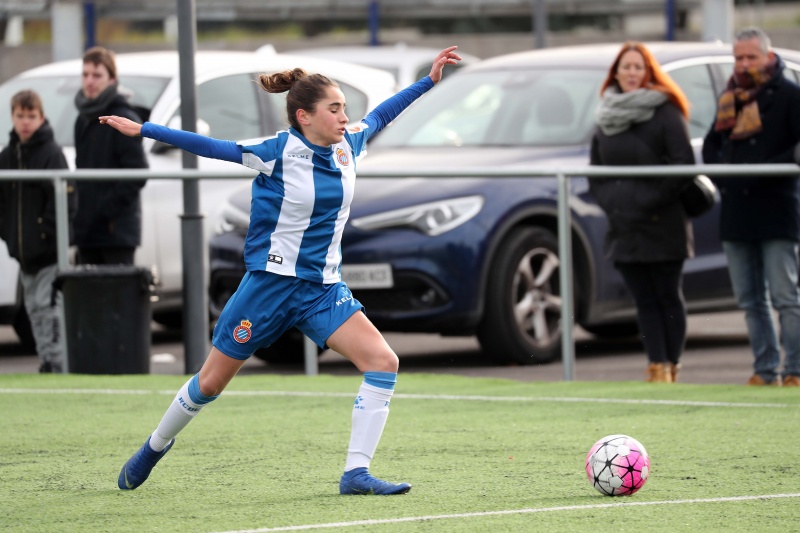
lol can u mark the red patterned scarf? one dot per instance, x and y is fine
(738, 109)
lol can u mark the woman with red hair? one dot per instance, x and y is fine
(641, 120)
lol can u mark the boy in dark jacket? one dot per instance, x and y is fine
(28, 221)
(108, 224)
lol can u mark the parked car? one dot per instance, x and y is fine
(230, 106)
(406, 63)
(479, 256)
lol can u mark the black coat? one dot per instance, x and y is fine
(27, 208)
(756, 208)
(110, 212)
(647, 222)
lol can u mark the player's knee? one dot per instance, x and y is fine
(388, 362)
(209, 386)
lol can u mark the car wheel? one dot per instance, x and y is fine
(287, 350)
(22, 327)
(522, 313)
(613, 331)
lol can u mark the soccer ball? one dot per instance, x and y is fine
(617, 465)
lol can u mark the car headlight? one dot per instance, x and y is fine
(431, 219)
(231, 218)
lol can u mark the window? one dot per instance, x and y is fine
(355, 99)
(230, 107)
(696, 84)
(502, 108)
(58, 99)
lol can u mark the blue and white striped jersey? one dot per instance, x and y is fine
(302, 194)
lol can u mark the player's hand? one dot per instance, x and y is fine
(448, 56)
(123, 125)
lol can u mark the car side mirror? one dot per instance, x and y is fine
(203, 128)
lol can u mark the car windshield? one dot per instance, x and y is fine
(502, 108)
(58, 98)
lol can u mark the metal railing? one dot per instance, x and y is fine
(562, 175)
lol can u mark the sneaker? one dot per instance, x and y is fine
(45, 368)
(791, 381)
(359, 481)
(758, 381)
(138, 467)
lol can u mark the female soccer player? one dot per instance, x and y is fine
(301, 201)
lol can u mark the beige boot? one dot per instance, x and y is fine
(658, 373)
(674, 368)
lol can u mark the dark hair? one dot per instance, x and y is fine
(305, 90)
(101, 56)
(27, 99)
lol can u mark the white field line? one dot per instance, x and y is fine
(312, 394)
(510, 512)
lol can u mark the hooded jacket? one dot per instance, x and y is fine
(27, 208)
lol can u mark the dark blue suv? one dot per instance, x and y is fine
(479, 256)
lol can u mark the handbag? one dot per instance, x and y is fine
(699, 196)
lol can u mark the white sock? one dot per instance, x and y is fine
(186, 405)
(370, 411)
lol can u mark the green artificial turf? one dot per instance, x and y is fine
(269, 453)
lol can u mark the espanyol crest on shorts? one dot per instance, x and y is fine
(242, 333)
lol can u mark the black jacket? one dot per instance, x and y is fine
(110, 212)
(647, 223)
(756, 208)
(27, 208)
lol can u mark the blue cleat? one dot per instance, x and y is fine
(359, 481)
(138, 467)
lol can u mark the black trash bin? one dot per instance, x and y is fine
(107, 314)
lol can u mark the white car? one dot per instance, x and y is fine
(230, 106)
(406, 63)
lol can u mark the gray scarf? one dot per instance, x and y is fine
(619, 111)
(95, 107)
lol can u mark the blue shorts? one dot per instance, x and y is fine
(266, 305)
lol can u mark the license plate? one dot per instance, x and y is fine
(377, 276)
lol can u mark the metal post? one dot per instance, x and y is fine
(565, 277)
(718, 20)
(540, 22)
(669, 12)
(195, 300)
(62, 251)
(90, 21)
(310, 357)
(374, 23)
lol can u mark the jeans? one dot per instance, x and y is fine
(765, 272)
(660, 307)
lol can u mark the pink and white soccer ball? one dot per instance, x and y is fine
(617, 465)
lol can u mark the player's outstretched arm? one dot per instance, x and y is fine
(448, 56)
(186, 140)
(123, 125)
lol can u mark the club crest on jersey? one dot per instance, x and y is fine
(341, 156)
(242, 333)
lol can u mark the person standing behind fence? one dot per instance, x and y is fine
(28, 221)
(641, 120)
(758, 121)
(108, 224)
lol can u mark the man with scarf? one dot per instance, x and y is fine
(758, 121)
(108, 224)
